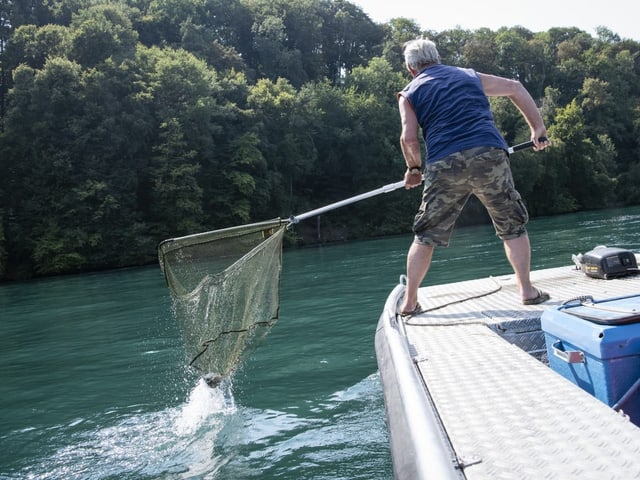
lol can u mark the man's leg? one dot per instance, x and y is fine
(418, 262)
(518, 252)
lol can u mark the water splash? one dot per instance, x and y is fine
(173, 443)
(203, 402)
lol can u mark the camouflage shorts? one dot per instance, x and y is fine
(484, 172)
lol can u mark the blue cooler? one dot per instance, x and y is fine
(596, 345)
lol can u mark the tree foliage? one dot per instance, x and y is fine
(125, 122)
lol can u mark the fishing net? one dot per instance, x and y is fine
(225, 289)
(225, 286)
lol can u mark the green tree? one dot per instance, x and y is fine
(33, 45)
(202, 41)
(102, 32)
(40, 168)
(284, 122)
(172, 194)
(163, 19)
(480, 51)
(349, 39)
(606, 103)
(590, 182)
(569, 70)
(398, 31)
(451, 45)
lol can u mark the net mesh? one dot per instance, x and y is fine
(225, 289)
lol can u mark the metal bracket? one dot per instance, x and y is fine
(468, 460)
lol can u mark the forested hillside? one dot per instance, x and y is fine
(125, 122)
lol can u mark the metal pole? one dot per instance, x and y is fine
(385, 189)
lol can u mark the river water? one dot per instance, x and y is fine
(94, 383)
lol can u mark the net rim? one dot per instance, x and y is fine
(171, 244)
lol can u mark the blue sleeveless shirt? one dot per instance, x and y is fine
(452, 110)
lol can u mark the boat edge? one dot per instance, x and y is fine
(419, 447)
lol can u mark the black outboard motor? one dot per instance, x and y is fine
(609, 262)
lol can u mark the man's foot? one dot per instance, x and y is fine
(415, 311)
(541, 297)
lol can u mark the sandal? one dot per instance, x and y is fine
(541, 298)
(415, 311)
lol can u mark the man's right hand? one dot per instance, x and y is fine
(412, 180)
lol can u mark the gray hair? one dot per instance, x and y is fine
(420, 53)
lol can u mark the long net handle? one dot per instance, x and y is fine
(347, 201)
(385, 189)
(522, 146)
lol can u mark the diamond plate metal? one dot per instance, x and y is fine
(501, 405)
(522, 419)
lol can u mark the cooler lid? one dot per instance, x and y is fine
(618, 311)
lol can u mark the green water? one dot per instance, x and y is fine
(94, 385)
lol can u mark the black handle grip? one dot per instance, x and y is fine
(522, 146)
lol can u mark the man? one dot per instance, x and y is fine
(466, 154)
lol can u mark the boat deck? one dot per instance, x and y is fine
(469, 394)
